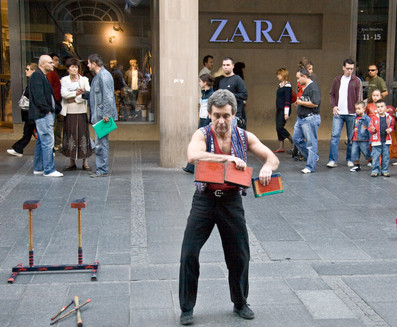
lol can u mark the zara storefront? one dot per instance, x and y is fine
(168, 39)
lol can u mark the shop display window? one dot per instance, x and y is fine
(120, 31)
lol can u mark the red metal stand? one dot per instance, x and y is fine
(34, 204)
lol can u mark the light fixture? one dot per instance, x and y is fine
(118, 29)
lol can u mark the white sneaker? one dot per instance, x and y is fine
(332, 164)
(350, 164)
(14, 153)
(394, 164)
(54, 174)
(38, 172)
(369, 164)
(306, 171)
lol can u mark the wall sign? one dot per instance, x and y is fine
(256, 30)
(261, 32)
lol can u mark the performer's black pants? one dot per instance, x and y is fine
(282, 133)
(227, 213)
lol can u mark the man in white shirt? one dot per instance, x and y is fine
(346, 91)
(208, 62)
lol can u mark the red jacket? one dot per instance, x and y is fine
(55, 82)
(375, 136)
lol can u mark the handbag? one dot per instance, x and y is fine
(23, 103)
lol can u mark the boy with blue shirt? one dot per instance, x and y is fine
(360, 139)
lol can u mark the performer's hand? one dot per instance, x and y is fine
(335, 111)
(265, 176)
(286, 117)
(240, 164)
(105, 119)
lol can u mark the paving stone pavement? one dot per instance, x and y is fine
(323, 253)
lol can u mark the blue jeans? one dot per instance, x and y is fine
(337, 125)
(305, 139)
(102, 154)
(43, 152)
(377, 151)
(362, 146)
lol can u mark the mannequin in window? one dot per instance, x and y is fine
(67, 48)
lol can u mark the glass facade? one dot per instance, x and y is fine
(5, 76)
(372, 28)
(119, 30)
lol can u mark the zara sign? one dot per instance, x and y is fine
(263, 29)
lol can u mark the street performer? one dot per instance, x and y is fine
(220, 205)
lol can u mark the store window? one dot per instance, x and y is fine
(372, 36)
(5, 76)
(119, 30)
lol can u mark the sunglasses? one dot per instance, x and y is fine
(27, 69)
(372, 70)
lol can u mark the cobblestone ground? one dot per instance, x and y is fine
(323, 253)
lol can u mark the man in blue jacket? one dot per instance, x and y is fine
(102, 106)
(42, 109)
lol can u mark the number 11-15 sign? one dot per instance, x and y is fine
(371, 33)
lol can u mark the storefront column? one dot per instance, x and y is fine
(178, 50)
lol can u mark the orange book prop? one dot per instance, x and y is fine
(209, 172)
(219, 173)
(237, 176)
(275, 186)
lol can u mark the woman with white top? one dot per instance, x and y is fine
(76, 134)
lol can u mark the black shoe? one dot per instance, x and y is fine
(187, 170)
(186, 318)
(244, 312)
(356, 168)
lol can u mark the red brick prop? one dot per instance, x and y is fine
(237, 176)
(209, 172)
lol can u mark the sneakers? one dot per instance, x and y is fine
(306, 171)
(332, 164)
(386, 174)
(356, 168)
(374, 174)
(38, 172)
(245, 312)
(54, 174)
(14, 153)
(350, 164)
(186, 318)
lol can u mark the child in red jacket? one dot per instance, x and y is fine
(380, 127)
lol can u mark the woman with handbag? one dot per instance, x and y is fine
(76, 134)
(30, 126)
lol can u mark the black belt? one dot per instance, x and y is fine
(221, 193)
(307, 115)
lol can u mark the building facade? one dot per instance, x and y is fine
(168, 38)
